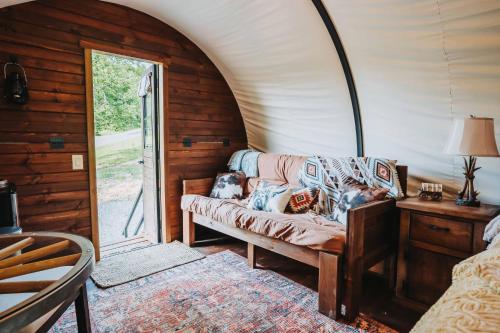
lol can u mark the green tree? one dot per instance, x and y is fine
(116, 104)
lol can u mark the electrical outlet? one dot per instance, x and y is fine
(77, 162)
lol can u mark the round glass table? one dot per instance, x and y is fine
(41, 275)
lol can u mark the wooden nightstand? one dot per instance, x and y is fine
(434, 237)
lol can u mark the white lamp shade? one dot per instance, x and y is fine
(472, 137)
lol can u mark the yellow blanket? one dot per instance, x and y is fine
(472, 303)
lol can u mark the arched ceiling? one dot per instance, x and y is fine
(281, 65)
(416, 64)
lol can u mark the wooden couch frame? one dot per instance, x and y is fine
(371, 238)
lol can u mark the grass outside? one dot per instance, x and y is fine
(119, 175)
(118, 153)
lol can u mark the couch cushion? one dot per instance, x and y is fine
(280, 167)
(308, 229)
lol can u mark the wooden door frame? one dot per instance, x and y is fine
(163, 63)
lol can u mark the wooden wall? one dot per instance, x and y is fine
(45, 37)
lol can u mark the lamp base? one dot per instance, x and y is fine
(467, 196)
(467, 202)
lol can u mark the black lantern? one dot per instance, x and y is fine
(16, 85)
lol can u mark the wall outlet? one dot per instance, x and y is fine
(77, 162)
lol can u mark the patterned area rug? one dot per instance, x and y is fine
(217, 294)
(132, 265)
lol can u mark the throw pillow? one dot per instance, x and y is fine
(253, 182)
(277, 203)
(302, 200)
(229, 185)
(354, 195)
(269, 198)
(330, 173)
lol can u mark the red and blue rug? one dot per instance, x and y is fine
(217, 294)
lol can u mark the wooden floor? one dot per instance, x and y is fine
(377, 299)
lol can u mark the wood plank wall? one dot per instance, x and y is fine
(45, 36)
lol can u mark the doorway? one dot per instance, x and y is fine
(126, 99)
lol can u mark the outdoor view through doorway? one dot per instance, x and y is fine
(125, 105)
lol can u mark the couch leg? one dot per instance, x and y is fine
(187, 227)
(329, 284)
(252, 255)
(353, 290)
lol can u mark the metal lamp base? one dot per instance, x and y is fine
(467, 202)
(467, 196)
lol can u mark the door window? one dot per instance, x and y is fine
(148, 120)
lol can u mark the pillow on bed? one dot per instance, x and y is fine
(355, 194)
(228, 185)
(492, 230)
(269, 197)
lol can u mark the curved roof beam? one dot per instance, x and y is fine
(347, 72)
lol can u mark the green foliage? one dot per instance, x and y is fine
(116, 104)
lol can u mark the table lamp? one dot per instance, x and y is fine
(471, 137)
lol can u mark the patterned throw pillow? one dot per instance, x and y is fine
(302, 200)
(355, 194)
(270, 198)
(229, 185)
(314, 174)
(331, 173)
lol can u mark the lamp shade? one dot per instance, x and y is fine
(472, 137)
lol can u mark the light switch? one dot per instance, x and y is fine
(77, 162)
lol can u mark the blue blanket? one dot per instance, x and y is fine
(246, 161)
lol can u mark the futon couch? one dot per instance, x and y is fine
(342, 253)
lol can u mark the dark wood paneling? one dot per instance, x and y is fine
(45, 36)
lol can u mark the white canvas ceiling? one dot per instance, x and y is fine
(416, 65)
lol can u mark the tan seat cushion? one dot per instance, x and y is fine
(308, 229)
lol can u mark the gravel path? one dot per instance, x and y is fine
(113, 217)
(110, 139)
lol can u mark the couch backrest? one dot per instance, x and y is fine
(280, 167)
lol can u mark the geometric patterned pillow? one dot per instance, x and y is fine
(302, 200)
(229, 185)
(313, 175)
(330, 173)
(378, 173)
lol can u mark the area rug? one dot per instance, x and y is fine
(217, 294)
(132, 265)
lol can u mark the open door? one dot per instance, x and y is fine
(111, 153)
(149, 93)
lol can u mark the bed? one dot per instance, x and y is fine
(472, 303)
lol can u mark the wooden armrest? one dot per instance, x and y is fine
(374, 208)
(371, 231)
(201, 186)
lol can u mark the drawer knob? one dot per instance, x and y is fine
(436, 228)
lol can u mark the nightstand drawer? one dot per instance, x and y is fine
(451, 234)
